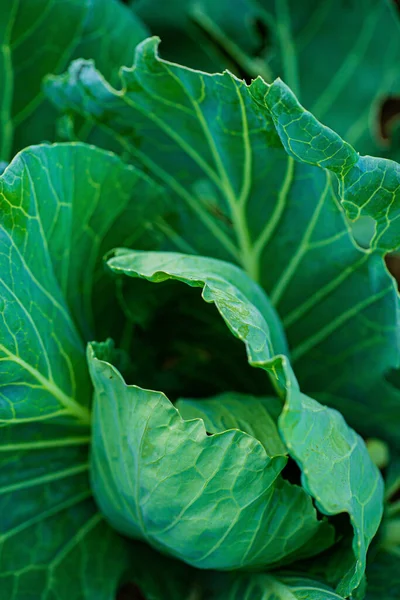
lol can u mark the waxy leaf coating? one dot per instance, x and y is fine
(369, 186)
(53, 201)
(236, 480)
(40, 37)
(171, 463)
(213, 144)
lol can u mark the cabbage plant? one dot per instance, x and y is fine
(198, 357)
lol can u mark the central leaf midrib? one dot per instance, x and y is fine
(174, 184)
(221, 180)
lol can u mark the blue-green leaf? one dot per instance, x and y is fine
(60, 206)
(212, 501)
(41, 37)
(369, 186)
(212, 143)
(148, 446)
(339, 57)
(54, 543)
(50, 195)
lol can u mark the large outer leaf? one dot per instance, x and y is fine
(331, 463)
(369, 186)
(42, 36)
(110, 36)
(215, 149)
(34, 42)
(42, 368)
(213, 502)
(341, 57)
(50, 196)
(59, 205)
(50, 526)
(54, 543)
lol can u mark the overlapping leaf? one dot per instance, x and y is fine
(59, 205)
(339, 57)
(368, 186)
(254, 415)
(214, 502)
(54, 543)
(43, 369)
(136, 469)
(215, 148)
(50, 525)
(41, 37)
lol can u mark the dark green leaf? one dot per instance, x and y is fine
(369, 186)
(330, 459)
(50, 196)
(50, 526)
(54, 544)
(60, 206)
(42, 36)
(383, 576)
(214, 146)
(212, 501)
(339, 57)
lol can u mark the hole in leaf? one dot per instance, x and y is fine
(129, 591)
(389, 114)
